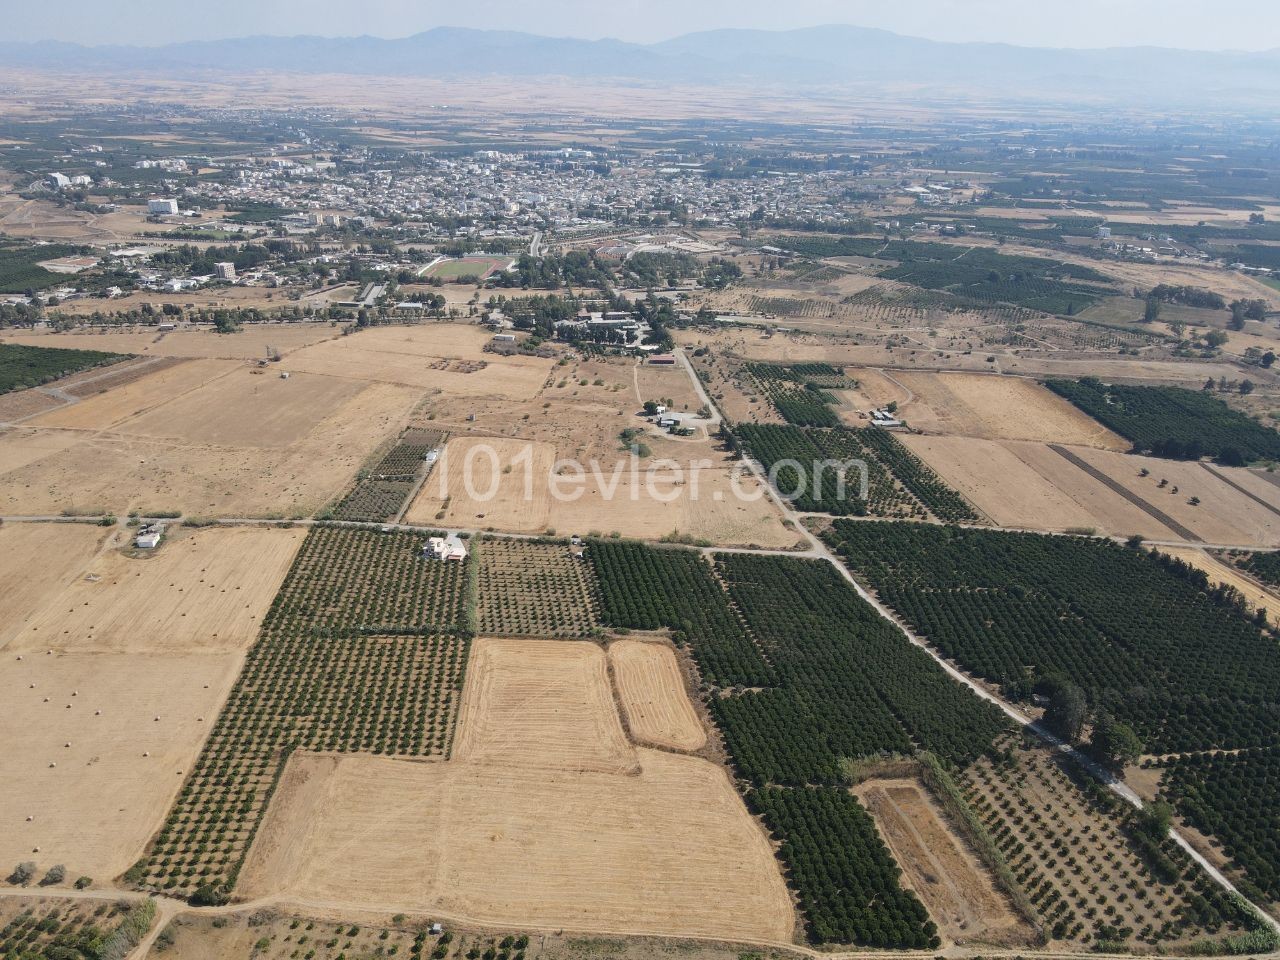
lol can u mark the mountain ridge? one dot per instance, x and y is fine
(827, 56)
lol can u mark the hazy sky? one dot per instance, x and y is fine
(1197, 24)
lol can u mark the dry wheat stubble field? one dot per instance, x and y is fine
(113, 680)
(546, 817)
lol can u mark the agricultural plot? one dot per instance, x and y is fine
(202, 590)
(996, 408)
(1220, 574)
(1172, 422)
(816, 679)
(246, 408)
(959, 891)
(65, 929)
(651, 691)
(115, 671)
(1088, 865)
(252, 342)
(381, 491)
(356, 655)
(846, 879)
(1035, 486)
(829, 491)
(535, 589)
(1235, 799)
(1142, 639)
(37, 561)
(168, 380)
(671, 850)
(800, 393)
(446, 357)
(22, 367)
(374, 501)
(292, 461)
(983, 275)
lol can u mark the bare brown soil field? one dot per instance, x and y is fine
(202, 591)
(101, 379)
(20, 446)
(1028, 485)
(247, 408)
(960, 895)
(609, 496)
(36, 560)
(105, 740)
(24, 404)
(652, 692)
(416, 356)
(48, 471)
(250, 343)
(488, 482)
(1222, 573)
(105, 410)
(996, 408)
(536, 840)
(543, 705)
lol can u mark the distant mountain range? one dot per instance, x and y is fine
(832, 56)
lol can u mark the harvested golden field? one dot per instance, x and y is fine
(37, 560)
(996, 408)
(534, 840)
(652, 693)
(247, 408)
(1224, 514)
(1001, 485)
(104, 410)
(251, 343)
(96, 746)
(1034, 486)
(512, 489)
(541, 704)
(446, 357)
(1222, 573)
(959, 893)
(20, 446)
(202, 591)
(119, 471)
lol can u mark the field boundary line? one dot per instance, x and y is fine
(1154, 512)
(1239, 489)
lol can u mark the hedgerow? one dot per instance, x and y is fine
(1172, 422)
(1144, 640)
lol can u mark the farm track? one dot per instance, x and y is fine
(169, 908)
